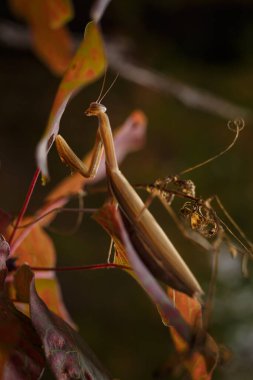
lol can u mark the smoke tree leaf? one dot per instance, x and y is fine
(5, 219)
(33, 246)
(68, 356)
(21, 354)
(22, 279)
(59, 12)
(52, 41)
(196, 362)
(86, 66)
(19, 344)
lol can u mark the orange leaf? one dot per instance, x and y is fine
(87, 65)
(56, 13)
(190, 309)
(59, 12)
(37, 250)
(53, 46)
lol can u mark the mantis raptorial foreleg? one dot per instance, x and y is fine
(148, 238)
(70, 159)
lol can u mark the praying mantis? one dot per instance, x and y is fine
(148, 238)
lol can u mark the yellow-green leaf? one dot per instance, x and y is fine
(87, 65)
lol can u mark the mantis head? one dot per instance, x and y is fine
(95, 109)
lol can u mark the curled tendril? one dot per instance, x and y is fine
(236, 125)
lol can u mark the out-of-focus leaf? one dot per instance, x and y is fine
(19, 7)
(110, 219)
(20, 344)
(22, 280)
(190, 309)
(67, 354)
(87, 65)
(56, 13)
(195, 362)
(34, 247)
(59, 12)
(5, 219)
(98, 9)
(37, 250)
(20, 348)
(53, 46)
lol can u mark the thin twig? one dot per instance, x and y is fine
(81, 268)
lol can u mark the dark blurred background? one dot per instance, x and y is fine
(202, 45)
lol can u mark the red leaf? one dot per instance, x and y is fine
(20, 344)
(68, 356)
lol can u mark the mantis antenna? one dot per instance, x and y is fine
(102, 88)
(236, 126)
(110, 87)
